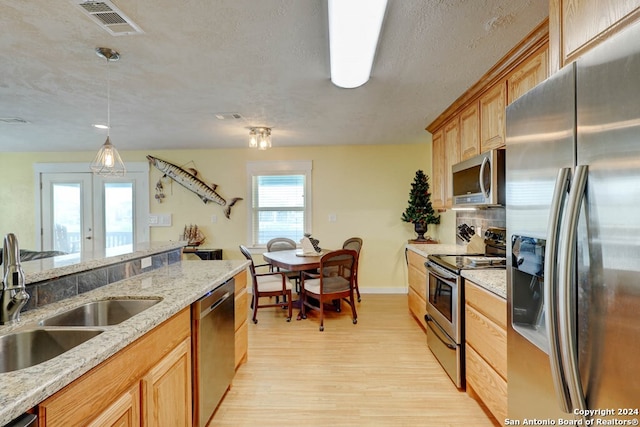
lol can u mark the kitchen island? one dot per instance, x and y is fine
(178, 284)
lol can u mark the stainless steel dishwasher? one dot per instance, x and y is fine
(213, 340)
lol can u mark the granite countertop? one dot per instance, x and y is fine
(439, 248)
(53, 267)
(178, 284)
(492, 279)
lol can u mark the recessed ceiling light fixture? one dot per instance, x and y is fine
(108, 161)
(354, 28)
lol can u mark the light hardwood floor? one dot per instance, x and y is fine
(378, 372)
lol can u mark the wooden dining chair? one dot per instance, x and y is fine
(269, 284)
(338, 285)
(354, 243)
(284, 244)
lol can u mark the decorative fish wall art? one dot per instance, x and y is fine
(192, 183)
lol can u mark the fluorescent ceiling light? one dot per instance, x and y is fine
(354, 28)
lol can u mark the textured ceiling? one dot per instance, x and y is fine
(267, 60)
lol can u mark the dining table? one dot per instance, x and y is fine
(294, 260)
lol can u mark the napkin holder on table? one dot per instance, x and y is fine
(307, 248)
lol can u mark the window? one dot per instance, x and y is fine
(280, 204)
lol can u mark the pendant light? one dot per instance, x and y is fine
(108, 162)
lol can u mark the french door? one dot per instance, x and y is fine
(80, 212)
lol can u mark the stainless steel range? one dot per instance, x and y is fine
(445, 302)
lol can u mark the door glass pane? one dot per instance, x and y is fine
(67, 217)
(118, 214)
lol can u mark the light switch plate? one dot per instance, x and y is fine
(160, 220)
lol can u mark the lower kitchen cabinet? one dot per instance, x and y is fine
(486, 348)
(417, 295)
(167, 389)
(241, 316)
(124, 412)
(150, 379)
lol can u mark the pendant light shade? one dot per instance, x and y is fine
(108, 162)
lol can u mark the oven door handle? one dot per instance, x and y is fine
(441, 274)
(430, 320)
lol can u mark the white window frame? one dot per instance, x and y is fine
(142, 200)
(298, 167)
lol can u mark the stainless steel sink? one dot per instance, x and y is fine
(23, 349)
(101, 313)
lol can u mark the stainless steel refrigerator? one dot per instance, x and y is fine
(573, 223)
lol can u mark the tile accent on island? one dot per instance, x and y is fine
(58, 289)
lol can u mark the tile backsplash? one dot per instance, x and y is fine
(481, 220)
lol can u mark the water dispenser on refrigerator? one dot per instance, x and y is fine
(527, 273)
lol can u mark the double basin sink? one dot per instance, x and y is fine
(60, 333)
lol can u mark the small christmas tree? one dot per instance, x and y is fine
(420, 211)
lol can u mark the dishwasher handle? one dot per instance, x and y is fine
(206, 310)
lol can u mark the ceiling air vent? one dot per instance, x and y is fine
(228, 116)
(109, 17)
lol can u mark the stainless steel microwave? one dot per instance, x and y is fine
(479, 182)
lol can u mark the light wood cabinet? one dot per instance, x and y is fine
(527, 75)
(166, 390)
(576, 26)
(438, 159)
(241, 316)
(106, 394)
(124, 412)
(486, 348)
(417, 295)
(492, 117)
(451, 137)
(469, 132)
(476, 121)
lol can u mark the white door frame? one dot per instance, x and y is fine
(140, 169)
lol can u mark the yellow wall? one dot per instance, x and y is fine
(365, 186)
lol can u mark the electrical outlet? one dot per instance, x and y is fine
(145, 262)
(332, 218)
(214, 219)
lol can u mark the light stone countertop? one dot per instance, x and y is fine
(439, 248)
(492, 279)
(178, 284)
(53, 267)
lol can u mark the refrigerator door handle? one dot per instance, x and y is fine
(551, 284)
(483, 190)
(566, 289)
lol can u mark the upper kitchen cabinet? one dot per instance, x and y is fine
(469, 132)
(451, 137)
(475, 122)
(492, 117)
(528, 74)
(576, 26)
(438, 193)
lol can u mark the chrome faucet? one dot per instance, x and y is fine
(14, 295)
